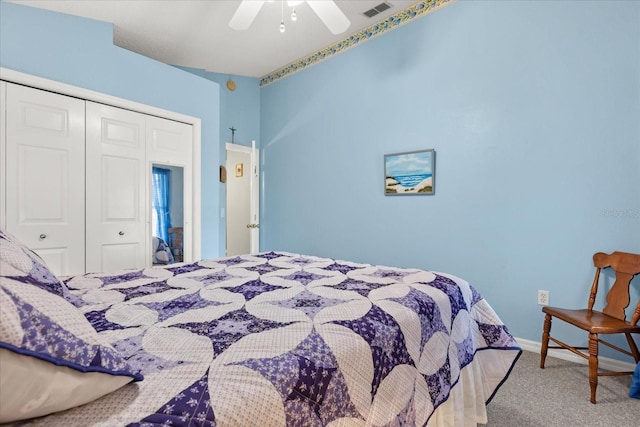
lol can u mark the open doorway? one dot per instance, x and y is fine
(167, 215)
(242, 224)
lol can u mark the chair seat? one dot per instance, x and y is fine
(593, 321)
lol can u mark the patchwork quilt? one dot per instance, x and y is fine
(281, 339)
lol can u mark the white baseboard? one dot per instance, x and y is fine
(605, 363)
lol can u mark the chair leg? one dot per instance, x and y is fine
(593, 365)
(545, 339)
(633, 347)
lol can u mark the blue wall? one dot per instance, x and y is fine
(239, 109)
(534, 111)
(80, 52)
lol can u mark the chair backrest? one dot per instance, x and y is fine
(626, 266)
(175, 237)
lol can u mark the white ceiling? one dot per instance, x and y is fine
(196, 34)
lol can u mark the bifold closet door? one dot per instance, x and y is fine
(171, 143)
(44, 188)
(116, 200)
(3, 155)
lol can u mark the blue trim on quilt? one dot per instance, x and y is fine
(508, 372)
(60, 362)
(419, 9)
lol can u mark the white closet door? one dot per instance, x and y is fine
(171, 143)
(3, 154)
(116, 200)
(45, 176)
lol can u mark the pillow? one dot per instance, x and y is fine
(22, 264)
(51, 358)
(161, 252)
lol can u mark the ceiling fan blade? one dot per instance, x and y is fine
(331, 15)
(245, 14)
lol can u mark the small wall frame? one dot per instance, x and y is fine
(410, 173)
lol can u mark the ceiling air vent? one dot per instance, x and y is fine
(376, 10)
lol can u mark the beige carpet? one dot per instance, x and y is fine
(559, 396)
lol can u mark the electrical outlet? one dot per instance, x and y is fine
(543, 297)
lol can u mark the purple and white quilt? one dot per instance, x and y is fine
(280, 339)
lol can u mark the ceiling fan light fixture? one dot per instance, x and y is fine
(327, 10)
(282, 27)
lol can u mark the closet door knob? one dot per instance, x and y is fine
(43, 236)
(121, 233)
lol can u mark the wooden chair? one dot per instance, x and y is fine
(175, 243)
(611, 320)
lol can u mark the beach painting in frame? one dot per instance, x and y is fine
(411, 173)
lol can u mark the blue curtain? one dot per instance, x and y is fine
(161, 178)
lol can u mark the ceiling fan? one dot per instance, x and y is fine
(327, 10)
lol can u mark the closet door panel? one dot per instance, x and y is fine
(3, 155)
(116, 197)
(169, 141)
(114, 257)
(45, 176)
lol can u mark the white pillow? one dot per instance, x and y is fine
(51, 358)
(31, 387)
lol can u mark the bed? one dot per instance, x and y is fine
(270, 339)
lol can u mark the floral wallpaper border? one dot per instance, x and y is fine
(409, 14)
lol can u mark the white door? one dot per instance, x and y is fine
(243, 234)
(3, 154)
(45, 178)
(116, 199)
(171, 143)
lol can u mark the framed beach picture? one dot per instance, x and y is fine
(410, 173)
